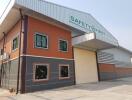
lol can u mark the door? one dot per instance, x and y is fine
(85, 66)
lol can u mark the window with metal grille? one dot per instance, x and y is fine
(41, 72)
(64, 71)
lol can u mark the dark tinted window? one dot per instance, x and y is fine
(41, 72)
(64, 71)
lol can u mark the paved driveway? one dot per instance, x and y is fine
(120, 89)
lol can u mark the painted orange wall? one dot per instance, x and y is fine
(126, 70)
(113, 68)
(107, 68)
(54, 34)
(8, 41)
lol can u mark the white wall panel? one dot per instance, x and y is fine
(116, 56)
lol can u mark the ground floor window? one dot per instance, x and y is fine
(41, 72)
(63, 71)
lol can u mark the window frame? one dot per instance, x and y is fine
(60, 65)
(12, 43)
(34, 72)
(43, 34)
(59, 44)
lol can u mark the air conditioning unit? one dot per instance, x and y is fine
(6, 56)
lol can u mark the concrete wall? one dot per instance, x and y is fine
(9, 74)
(85, 66)
(110, 71)
(54, 80)
(107, 71)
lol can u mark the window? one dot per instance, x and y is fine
(63, 45)
(15, 43)
(131, 60)
(64, 71)
(41, 72)
(41, 41)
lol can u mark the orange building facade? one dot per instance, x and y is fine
(55, 61)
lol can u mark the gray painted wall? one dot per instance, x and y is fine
(54, 81)
(107, 76)
(113, 75)
(9, 76)
(9, 79)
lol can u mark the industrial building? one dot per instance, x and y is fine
(45, 45)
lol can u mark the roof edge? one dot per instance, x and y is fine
(125, 49)
(6, 10)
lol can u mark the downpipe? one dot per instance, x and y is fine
(19, 58)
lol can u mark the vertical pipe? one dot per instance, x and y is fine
(1, 70)
(23, 68)
(97, 66)
(74, 65)
(19, 58)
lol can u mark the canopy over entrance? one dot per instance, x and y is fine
(91, 42)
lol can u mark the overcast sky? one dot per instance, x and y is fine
(114, 15)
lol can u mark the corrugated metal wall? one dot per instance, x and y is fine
(104, 57)
(115, 56)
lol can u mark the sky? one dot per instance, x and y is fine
(114, 15)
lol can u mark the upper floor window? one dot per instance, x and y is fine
(63, 45)
(15, 43)
(41, 41)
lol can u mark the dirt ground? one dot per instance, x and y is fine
(120, 89)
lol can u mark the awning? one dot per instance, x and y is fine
(91, 42)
